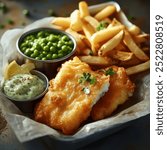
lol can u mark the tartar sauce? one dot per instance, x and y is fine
(23, 86)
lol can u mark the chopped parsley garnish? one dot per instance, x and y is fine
(87, 77)
(109, 71)
(102, 25)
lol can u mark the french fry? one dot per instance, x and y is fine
(76, 23)
(110, 44)
(88, 30)
(96, 60)
(76, 35)
(122, 56)
(105, 34)
(95, 47)
(129, 63)
(85, 40)
(114, 22)
(86, 52)
(83, 9)
(141, 38)
(138, 68)
(106, 12)
(108, 20)
(92, 21)
(129, 42)
(134, 30)
(61, 22)
(102, 45)
(121, 47)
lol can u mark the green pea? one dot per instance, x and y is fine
(44, 53)
(46, 48)
(23, 49)
(41, 55)
(43, 45)
(60, 55)
(64, 48)
(65, 38)
(38, 46)
(52, 49)
(49, 56)
(44, 58)
(28, 52)
(32, 55)
(40, 34)
(52, 38)
(36, 52)
(23, 45)
(49, 44)
(37, 58)
(54, 56)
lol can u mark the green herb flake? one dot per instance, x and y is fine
(110, 72)
(102, 25)
(93, 80)
(86, 77)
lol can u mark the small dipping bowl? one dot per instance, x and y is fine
(27, 106)
(44, 50)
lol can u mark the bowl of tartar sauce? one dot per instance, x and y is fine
(25, 89)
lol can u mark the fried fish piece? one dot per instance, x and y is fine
(120, 89)
(71, 96)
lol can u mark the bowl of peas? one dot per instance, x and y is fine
(46, 44)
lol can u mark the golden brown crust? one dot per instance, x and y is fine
(119, 91)
(65, 106)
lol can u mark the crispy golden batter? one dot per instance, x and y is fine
(66, 105)
(119, 91)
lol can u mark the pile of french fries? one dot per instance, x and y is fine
(103, 40)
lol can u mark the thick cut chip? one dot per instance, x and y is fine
(71, 96)
(130, 43)
(119, 91)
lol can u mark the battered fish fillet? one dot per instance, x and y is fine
(119, 91)
(71, 96)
